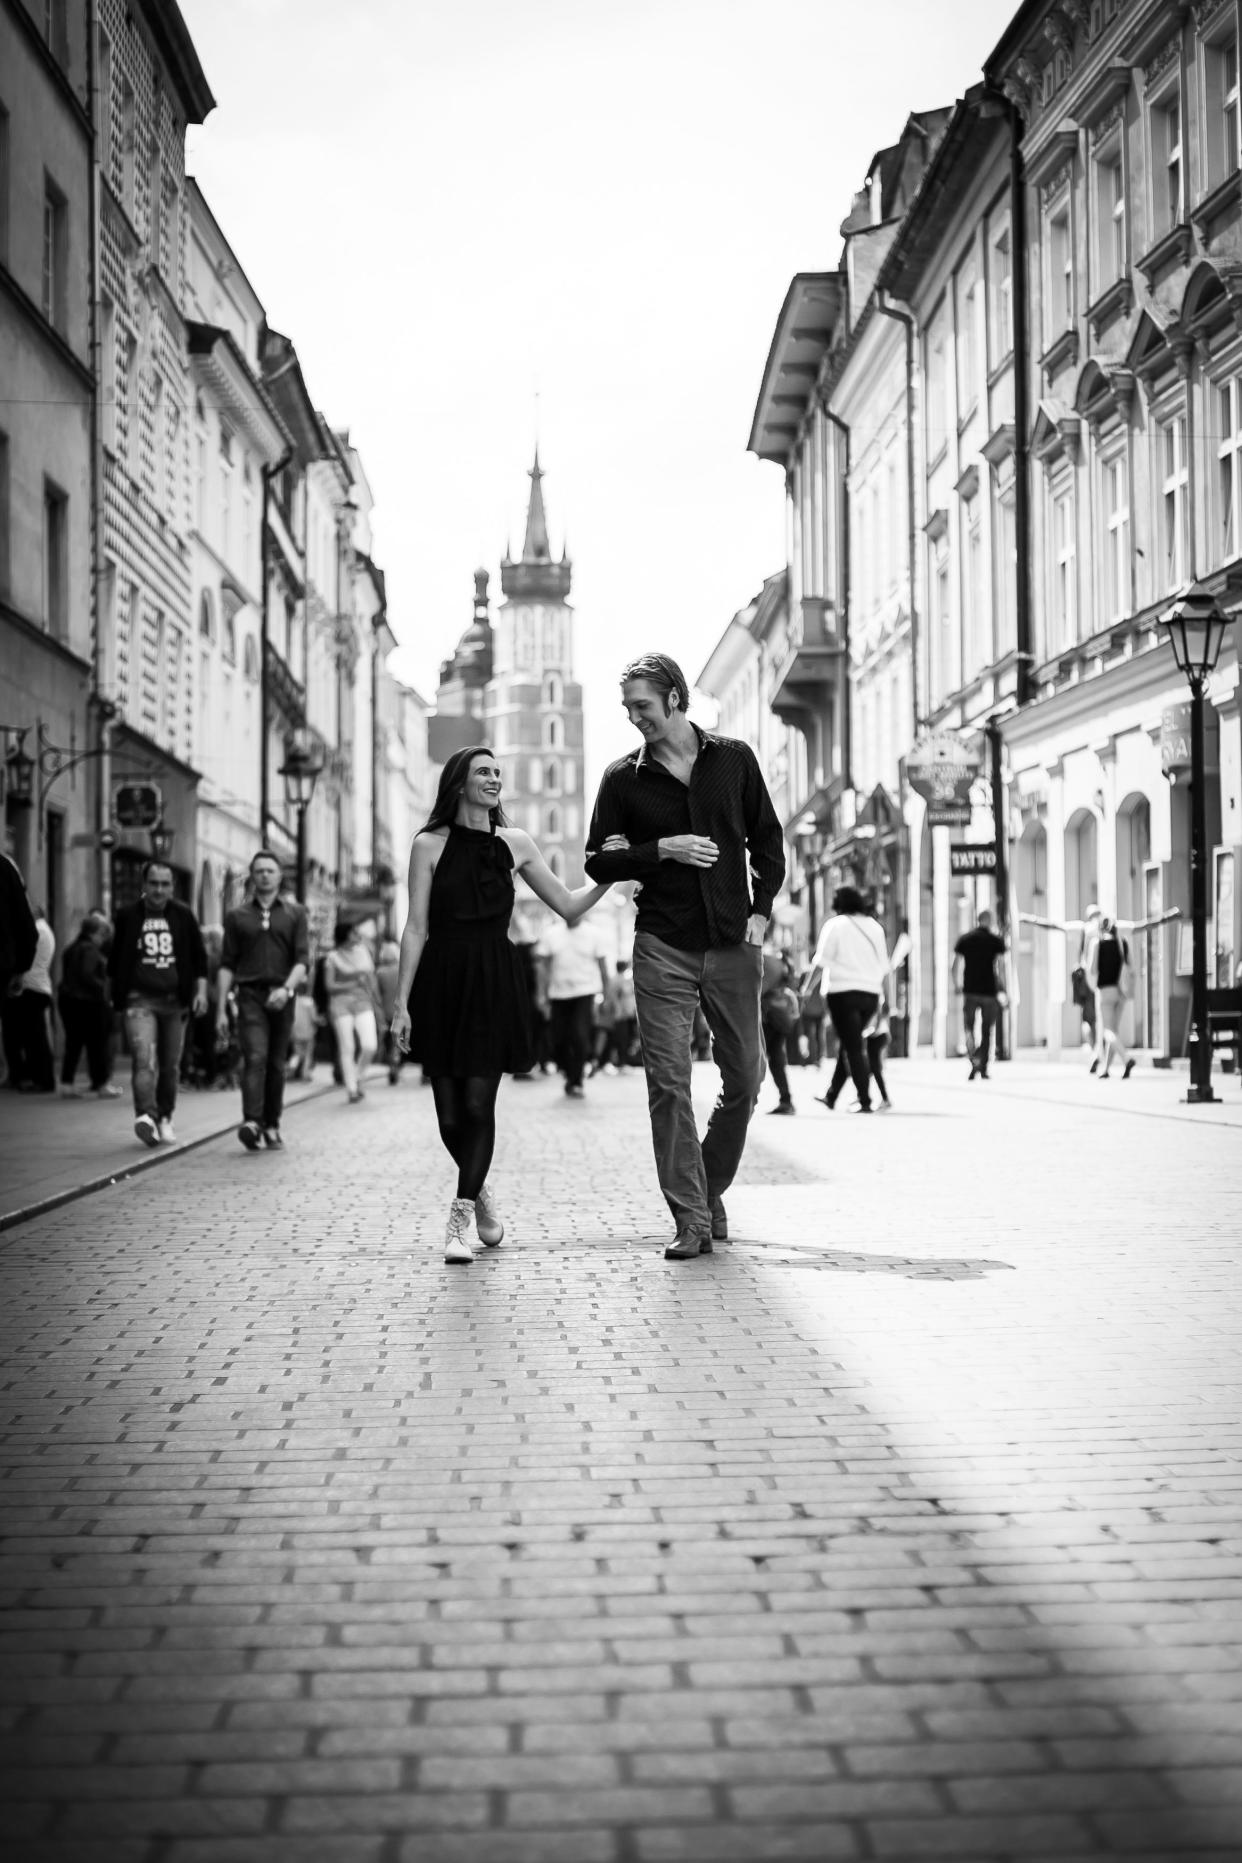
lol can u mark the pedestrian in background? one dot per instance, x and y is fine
(814, 1013)
(780, 1014)
(1112, 977)
(28, 1016)
(86, 1010)
(572, 971)
(689, 815)
(352, 999)
(386, 969)
(978, 957)
(158, 970)
(622, 1016)
(19, 938)
(266, 954)
(463, 1007)
(876, 1038)
(851, 958)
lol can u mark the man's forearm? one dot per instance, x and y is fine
(296, 977)
(224, 983)
(630, 863)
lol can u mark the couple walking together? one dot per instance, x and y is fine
(689, 816)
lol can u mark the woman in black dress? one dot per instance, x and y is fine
(463, 1008)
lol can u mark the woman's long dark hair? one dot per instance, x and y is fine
(452, 782)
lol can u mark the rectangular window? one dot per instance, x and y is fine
(1064, 571)
(5, 518)
(159, 440)
(1002, 296)
(129, 349)
(1229, 460)
(1220, 71)
(1116, 568)
(977, 648)
(155, 206)
(55, 560)
(107, 373)
(103, 88)
(1060, 272)
(1174, 501)
(4, 185)
(55, 254)
(127, 145)
(1110, 220)
(967, 340)
(1166, 165)
(1006, 575)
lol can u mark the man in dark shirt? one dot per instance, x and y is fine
(158, 967)
(266, 953)
(976, 956)
(682, 814)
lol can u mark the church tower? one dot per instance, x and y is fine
(533, 702)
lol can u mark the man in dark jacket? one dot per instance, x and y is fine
(266, 954)
(158, 967)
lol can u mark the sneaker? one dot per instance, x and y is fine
(885, 1106)
(687, 1245)
(720, 1220)
(456, 1245)
(106, 1092)
(167, 1135)
(487, 1219)
(146, 1129)
(251, 1134)
(272, 1138)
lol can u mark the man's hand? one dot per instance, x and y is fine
(756, 928)
(278, 997)
(692, 850)
(199, 1005)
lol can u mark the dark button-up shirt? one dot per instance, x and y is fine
(264, 955)
(726, 799)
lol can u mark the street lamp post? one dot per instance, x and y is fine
(1196, 631)
(300, 771)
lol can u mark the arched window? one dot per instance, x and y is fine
(230, 640)
(552, 821)
(552, 778)
(206, 617)
(553, 690)
(553, 734)
(250, 660)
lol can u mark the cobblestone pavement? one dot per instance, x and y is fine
(904, 1526)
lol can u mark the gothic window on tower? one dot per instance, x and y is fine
(553, 734)
(553, 690)
(553, 821)
(552, 779)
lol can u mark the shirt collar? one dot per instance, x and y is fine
(643, 761)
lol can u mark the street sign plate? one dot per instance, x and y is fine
(948, 815)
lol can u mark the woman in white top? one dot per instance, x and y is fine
(350, 978)
(852, 958)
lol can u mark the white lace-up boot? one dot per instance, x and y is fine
(456, 1244)
(487, 1218)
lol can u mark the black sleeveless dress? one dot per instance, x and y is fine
(470, 1007)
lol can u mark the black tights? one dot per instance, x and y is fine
(466, 1110)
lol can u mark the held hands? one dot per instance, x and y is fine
(399, 1028)
(692, 850)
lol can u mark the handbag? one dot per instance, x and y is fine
(781, 1009)
(1080, 990)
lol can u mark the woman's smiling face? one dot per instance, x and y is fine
(481, 789)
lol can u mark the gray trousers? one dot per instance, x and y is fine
(669, 985)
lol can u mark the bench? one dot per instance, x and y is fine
(1224, 1017)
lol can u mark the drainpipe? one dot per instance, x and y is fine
(1021, 411)
(103, 705)
(847, 721)
(886, 308)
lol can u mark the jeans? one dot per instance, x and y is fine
(263, 1035)
(851, 1010)
(986, 1009)
(774, 1043)
(87, 1025)
(155, 1026)
(570, 1017)
(670, 986)
(356, 1056)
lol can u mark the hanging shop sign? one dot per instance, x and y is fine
(137, 805)
(969, 861)
(942, 770)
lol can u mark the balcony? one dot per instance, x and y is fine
(810, 676)
(286, 695)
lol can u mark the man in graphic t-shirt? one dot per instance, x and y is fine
(977, 955)
(158, 966)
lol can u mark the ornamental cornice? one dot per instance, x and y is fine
(1206, 11)
(1103, 128)
(1059, 34)
(1057, 181)
(1078, 13)
(1162, 61)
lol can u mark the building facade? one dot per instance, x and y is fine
(47, 641)
(1129, 126)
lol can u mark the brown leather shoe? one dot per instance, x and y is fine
(688, 1244)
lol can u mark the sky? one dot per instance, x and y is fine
(484, 222)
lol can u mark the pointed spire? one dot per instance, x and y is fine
(536, 548)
